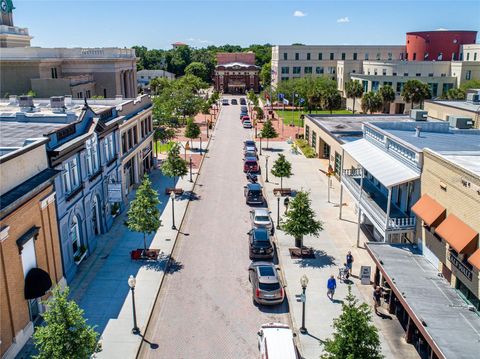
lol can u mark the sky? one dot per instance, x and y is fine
(199, 23)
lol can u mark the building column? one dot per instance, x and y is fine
(122, 85)
(130, 83)
(359, 208)
(409, 331)
(341, 201)
(389, 200)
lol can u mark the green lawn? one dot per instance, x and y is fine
(295, 115)
(162, 147)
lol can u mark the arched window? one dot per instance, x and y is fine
(75, 235)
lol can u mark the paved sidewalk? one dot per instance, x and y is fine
(337, 238)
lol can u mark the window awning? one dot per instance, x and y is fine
(474, 259)
(458, 235)
(386, 169)
(429, 210)
(37, 283)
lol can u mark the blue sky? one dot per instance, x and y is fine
(158, 23)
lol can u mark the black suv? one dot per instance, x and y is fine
(253, 194)
(242, 101)
(259, 243)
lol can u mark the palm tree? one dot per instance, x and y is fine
(353, 90)
(415, 91)
(371, 102)
(388, 96)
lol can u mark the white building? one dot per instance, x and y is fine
(145, 76)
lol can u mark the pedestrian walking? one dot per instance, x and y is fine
(331, 286)
(286, 202)
(349, 262)
(377, 296)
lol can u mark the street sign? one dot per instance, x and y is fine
(365, 272)
(114, 192)
(303, 298)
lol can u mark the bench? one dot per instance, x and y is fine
(177, 191)
(283, 191)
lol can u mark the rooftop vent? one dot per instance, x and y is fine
(57, 103)
(464, 123)
(68, 100)
(473, 97)
(419, 115)
(25, 101)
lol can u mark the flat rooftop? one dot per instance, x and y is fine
(348, 128)
(462, 105)
(15, 134)
(448, 321)
(470, 162)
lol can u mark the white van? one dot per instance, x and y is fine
(275, 341)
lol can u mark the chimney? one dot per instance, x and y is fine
(417, 131)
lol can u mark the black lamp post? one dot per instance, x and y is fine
(131, 283)
(260, 137)
(206, 121)
(278, 195)
(172, 196)
(191, 179)
(200, 145)
(303, 283)
(266, 168)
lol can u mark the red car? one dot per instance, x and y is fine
(250, 164)
(245, 118)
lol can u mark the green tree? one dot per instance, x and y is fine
(174, 166)
(281, 168)
(179, 59)
(162, 134)
(259, 112)
(143, 214)
(66, 334)
(192, 130)
(471, 84)
(387, 94)
(197, 69)
(331, 100)
(300, 219)
(353, 90)
(415, 91)
(456, 94)
(268, 131)
(355, 337)
(266, 74)
(371, 102)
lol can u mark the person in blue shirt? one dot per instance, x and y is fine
(331, 286)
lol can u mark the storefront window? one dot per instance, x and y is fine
(75, 236)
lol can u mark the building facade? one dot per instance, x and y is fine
(236, 73)
(30, 255)
(445, 110)
(79, 72)
(448, 227)
(145, 76)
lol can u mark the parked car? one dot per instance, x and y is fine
(225, 101)
(244, 108)
(247, 124)
(242, 101)
(234, 101)
(266, 285)
(253, 194)
(260, 218)
(250, 154)
(250, 164)
(249, 143)
(260, 245)
(250, 149)
(275, 341)
(245, 118)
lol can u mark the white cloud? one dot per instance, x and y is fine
(343, 19)
(298, 13)
(199, 41)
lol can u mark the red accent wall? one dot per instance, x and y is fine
(243, 57)
(435, 42)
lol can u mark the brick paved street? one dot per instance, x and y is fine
(205, 309)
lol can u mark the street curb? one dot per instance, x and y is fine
(177, 235)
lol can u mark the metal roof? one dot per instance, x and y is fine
(386, 169)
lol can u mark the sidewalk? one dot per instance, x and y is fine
(337, 238)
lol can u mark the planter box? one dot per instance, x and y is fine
(151, 254)
(284, 192)
(177, 191)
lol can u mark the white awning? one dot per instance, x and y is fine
(386, 169)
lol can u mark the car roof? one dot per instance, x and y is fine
(250, 159)
(245, 117)
(261, 212)
(279, 341)
(261, 234)
(254, 186)
(249, 141)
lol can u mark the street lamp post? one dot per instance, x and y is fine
(172, 196)
(330, 173)
(200, 145)
(131, 283)
(260, 137)
(191, 179)
(207, 122)
(303, 283)
(266, 168)
(278, 195)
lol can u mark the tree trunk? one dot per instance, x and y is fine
(353, 108)
(281, 183)
(144, 244)
(267, 143)
(299, 242)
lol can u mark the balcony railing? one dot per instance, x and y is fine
(457, 263)
(397, 221)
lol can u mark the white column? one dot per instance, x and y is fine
(389, 200)
(122, 84)
(359, 210)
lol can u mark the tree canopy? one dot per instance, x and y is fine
(174, 166)
(354, 334)
(415, 91)
(268, 131)
(192, 130)
(372, 102)
(353, 90)
(281, 168)
(197, 69)
(387, 93)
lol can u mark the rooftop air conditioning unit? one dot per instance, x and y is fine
(57, 103)
(419, 115)
(473, 97)
(459, 122)
(25, 101)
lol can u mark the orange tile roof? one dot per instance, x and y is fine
(474, 259)
(459, 235)
(429, 210)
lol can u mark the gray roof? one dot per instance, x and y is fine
(470, 162)
(463, 105)
(448, 321)
(14, 134)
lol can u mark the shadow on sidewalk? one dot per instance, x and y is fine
(274, 309)
(321, 260)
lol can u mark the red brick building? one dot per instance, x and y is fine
(439, 45)
(236, 73)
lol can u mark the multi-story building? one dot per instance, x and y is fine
(294, 61)
(145, 76)
(448, 211)
(386, 182)
(79, 72)
(236, 73)
(30, 255)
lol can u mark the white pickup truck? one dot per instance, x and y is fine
(275, 341)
